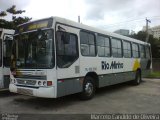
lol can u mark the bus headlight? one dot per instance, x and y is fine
(44, 83)
(39, 83)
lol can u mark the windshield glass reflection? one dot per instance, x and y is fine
(34, 49)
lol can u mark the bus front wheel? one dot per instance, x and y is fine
(88, 88)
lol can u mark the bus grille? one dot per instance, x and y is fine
(26, 82)
(24, 91)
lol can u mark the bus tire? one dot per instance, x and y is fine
(88, 88)
(138, 78)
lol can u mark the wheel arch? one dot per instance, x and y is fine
(139, 69)
(94, 76)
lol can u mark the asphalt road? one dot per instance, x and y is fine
(121, 98)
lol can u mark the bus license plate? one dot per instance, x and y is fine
(24, 91)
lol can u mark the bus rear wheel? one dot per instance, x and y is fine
(88, 88)
(138, 78)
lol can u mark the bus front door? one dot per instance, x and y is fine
(67, 57)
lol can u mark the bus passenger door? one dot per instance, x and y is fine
(67, 60)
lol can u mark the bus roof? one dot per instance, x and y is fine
(97, 30)
(89, 28)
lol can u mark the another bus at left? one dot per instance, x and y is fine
(6, 37)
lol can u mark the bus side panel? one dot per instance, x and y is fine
(104, 80)
(1, 67)
(129, 75)
(119, 75)
(118, 70)
(145, 67)
(1, 78)
(130, 68)
(98, 65)
(68, 86)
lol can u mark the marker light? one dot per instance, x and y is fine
(49, 83)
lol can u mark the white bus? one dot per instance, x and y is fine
(55, 57)
(6, 37)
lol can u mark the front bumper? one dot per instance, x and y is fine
(44, 92)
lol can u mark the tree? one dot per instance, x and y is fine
(3, 13)
(15, 20)
(155, 43)
(20, 20)
(141, 35)
(13, 10)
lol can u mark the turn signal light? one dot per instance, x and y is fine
(49, 83)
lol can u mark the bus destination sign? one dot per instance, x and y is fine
(46, 23)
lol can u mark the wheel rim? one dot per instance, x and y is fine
(138, 79)
(88, 88)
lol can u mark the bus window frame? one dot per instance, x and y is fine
(106, 36)
(77, 48)
(138, 49)
(121, 46)
(127, 49)
(89, 32)
(149, 50)
(144, 51)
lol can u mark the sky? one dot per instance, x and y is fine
(108, 15)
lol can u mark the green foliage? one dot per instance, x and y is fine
(154, 75)
(155, 43)
(13, 10)
(6, 24)
(21, 20)
(15, 20)
(3, 13)
(140, 36)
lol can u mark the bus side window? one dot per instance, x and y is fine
(67, 48)
(135, 50)
(142, 51)
(103, 46)
(87, 41)
(148, 52)
(116, 48)
(127, 49)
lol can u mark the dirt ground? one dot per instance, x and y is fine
(121, 98)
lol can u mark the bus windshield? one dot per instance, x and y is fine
(34, 49)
